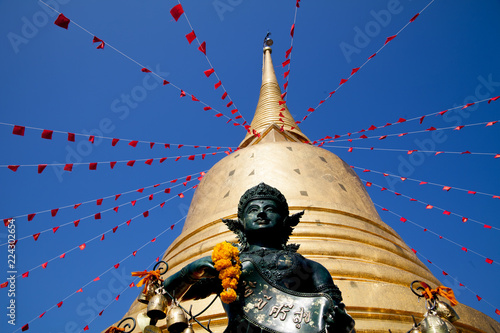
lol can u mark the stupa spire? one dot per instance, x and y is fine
(272, 120)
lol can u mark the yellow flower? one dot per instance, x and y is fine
(228, 296)
(227, 261)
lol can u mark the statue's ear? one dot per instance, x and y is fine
(233, 225)
(236, 226)
(293, 220)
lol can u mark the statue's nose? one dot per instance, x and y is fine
(261, 213)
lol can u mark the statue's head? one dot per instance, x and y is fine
(263, 211)
(262, 192)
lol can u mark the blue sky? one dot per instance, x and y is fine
(56, 79)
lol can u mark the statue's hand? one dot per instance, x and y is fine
(338, 320)
(201, 269)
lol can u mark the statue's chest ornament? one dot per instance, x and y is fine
(277, 309)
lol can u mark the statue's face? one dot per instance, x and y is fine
(262, 214)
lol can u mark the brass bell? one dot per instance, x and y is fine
(415, 328)
(444, 310)
(432, 323)
(189, 329)
(149, 293)
(157, 306)
(177, 321)
(152, 329)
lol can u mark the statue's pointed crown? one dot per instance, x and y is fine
(262, 191)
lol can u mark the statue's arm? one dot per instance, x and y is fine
(339, 320)
(186, 283)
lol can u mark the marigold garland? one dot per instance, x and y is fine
(227, 262)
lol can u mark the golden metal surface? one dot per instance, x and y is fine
(268, 107)
(341, 228)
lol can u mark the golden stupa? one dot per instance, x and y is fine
(368, 260)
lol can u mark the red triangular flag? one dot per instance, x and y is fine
(292, 30)
(41, 167)
(62, 21)
(26, 327)
(54, 229)
(191, 36)
(13, 167)
(176, 11)
(68, 167)
(35, 236)
(31, 216)
(414, 17)
(203, 48)
(93, 166)
(82, 246)
(44, 265)
(354, 70)
(389, 39)
(209, 72)
(112, 164)
(25, 274)
(133, 143)
(131, 163)
(18, 130)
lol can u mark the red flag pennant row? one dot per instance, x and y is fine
(427, 206)
(402, 219)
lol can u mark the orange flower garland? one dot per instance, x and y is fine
(227, 262)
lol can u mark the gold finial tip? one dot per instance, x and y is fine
(268, 42)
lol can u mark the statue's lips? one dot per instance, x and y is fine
(262, 222)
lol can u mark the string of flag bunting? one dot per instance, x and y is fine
(98, 215)
(479, 298)
(100, 201)
(98, 278)
(411, 151)
(93, 165)
(432, 128)
(355, 70)
(288, 53)
(100, 236)
(63, 22)
(419, 118)
(464, 248)
(429, 206)
(176, 12)
(422, 182)
(71, 137)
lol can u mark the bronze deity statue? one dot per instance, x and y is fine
(279, 290)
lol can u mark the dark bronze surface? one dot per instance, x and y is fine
(263, 228)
